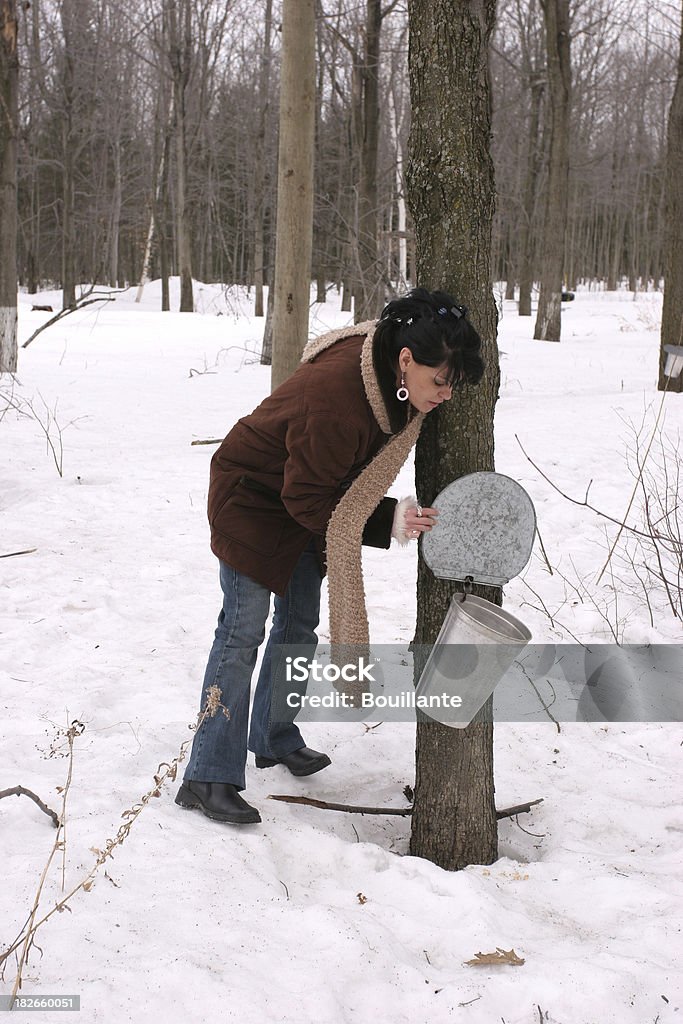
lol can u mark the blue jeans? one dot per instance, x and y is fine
(219, 750)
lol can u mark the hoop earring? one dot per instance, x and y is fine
(402, 393)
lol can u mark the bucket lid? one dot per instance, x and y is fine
(485, 530)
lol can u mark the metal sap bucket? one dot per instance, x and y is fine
(477, 643)
(484, 534)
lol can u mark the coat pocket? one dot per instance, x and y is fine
(249, 518)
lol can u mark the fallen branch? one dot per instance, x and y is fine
(211, 440)
(22, 791)
(325, 805)
(80, 304)
(509, 812)
(11, 554)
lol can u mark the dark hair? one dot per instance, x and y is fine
(436, 330)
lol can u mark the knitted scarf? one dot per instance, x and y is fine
(348, 613)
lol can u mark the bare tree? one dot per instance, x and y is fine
(672, 312)
(366, 137)
(70, 128)
(179, 22)
(451, 196)
(261, 173)
(9, 93)
(548, 317)
(294, 231)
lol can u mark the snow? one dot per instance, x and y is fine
(109, 622)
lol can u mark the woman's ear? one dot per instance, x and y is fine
(405, 358)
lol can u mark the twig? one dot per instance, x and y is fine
(325, 805)
(540, 541)
(22, 791)
(575, 501)
(109, 297)
(210, 440)
(637, 483)
(545, 707)
(536, 835)
(11, 554)
(545, 609)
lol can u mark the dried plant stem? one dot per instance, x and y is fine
(75, 729)
(637, 483)
(31, 927)
(163, 773)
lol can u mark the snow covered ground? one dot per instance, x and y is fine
(316, 916)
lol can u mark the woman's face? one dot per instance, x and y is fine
(428, 386)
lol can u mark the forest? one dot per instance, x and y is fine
(516, 154)
(147, 135)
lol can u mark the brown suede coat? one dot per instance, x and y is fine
(281, 471)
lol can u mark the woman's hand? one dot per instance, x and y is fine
(411, 519)
(420, 520)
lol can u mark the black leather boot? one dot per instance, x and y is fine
(303, 761)
(218, 800)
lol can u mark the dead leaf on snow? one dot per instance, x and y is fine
(501, 956)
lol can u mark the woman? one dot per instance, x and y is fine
(299, 484)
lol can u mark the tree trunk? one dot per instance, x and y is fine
(9, 113)
(369, 293)
(115, 217)
(180, 51)
(294, 231)
(260, 176)
(162, 218)
(395, 126)
(451, 197)
(69, 28)
(526, 237)
(548, 323)
(267, 345)
(672, 312)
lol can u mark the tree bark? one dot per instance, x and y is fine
(451, 197)
(68, 16)
(260, 170)
(548, 317)
(294, 231)
(368, 294)
(115, 215)
(526, 238)
(180, 52)
(9, 113)
(672, 311)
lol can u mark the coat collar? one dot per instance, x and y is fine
(370, 382)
